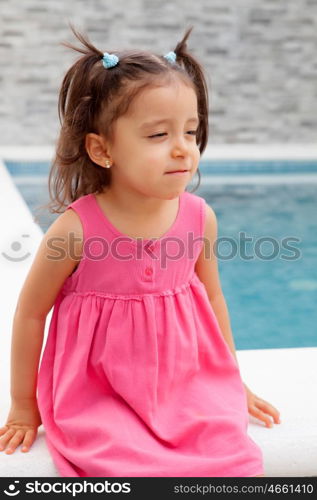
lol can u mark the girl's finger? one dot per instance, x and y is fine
(29, 438)
(5, 438)
(15, 441)
(3, 429)
(268, 408)
(262, 402)
(261, 416)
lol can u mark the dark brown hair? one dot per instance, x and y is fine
(91, 98)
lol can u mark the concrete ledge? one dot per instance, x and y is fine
(287, 379)
(284, 377)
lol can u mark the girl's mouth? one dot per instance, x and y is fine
(178, 172)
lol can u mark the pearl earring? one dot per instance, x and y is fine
(108, 164)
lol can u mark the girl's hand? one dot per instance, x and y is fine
(21, 427)
(261, 409)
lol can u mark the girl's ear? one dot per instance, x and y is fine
(96, 148)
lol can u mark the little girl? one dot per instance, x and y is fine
(139, 375)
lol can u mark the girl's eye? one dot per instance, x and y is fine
(156, 135)
(192, 132)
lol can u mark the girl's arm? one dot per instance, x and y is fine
(207, 270)
(47, 274)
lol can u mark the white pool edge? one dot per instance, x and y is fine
(287, 151)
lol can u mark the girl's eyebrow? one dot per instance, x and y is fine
(157, 122)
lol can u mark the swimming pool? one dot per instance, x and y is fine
(271, 291)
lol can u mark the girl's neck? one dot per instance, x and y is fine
(138, 206)
(144, 223)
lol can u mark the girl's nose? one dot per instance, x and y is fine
(179, 147)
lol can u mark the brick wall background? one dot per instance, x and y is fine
(260, 57)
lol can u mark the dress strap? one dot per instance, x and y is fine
(91, 222)
(195, 214)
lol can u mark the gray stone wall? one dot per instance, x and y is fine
(260, 57)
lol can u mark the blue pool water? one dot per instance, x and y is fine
(271, 297)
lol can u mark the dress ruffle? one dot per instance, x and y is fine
(152, 368)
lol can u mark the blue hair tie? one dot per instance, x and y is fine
(171, 57)
(109, 60)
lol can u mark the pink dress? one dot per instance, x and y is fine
(136, 378)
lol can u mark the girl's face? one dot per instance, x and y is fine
(156, 136)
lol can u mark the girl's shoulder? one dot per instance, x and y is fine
(55, 260)
(67, 234)
(67, 230)
(71, 221)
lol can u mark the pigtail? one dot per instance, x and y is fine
(88, 48)
(73, 174)
(196, 73)
(77, 74)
